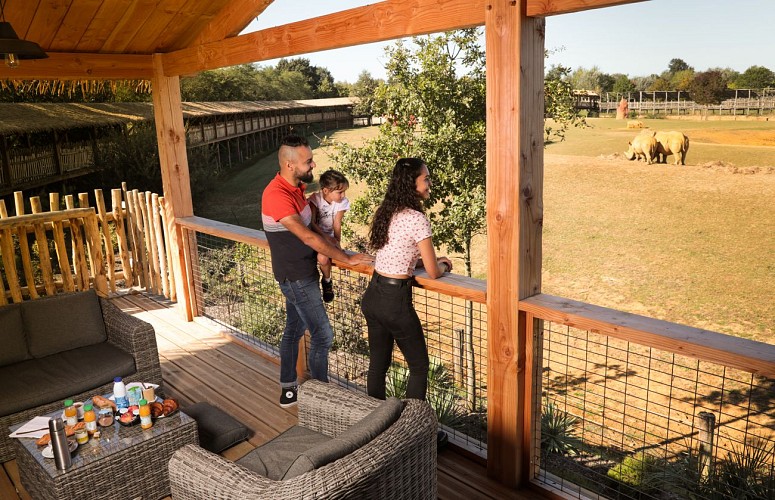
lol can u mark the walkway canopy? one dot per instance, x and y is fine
(161, 40)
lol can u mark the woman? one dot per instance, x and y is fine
(400, 233)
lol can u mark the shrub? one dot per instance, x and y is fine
(636, 470)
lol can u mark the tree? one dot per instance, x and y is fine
(364, 88)
(755, 77)
(586, 79)
(676, 65)
(680, 80)
(318, 79)
(622, 84)
(559, 104)
(708, 88)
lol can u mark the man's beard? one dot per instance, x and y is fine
(306, 177)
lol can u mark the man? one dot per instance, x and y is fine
(287, 217)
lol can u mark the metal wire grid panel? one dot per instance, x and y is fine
(621, 420)
(235, 286)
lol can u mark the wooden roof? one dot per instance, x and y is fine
(116, 39)
(36, 117)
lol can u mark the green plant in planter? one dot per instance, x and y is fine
(558, 431)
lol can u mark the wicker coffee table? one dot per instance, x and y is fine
(125, 462)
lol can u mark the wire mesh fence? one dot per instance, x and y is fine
(625, 421)
(235, 287)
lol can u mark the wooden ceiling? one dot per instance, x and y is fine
(116, 39)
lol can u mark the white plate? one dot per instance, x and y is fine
(48, 451)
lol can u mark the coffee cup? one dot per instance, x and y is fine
(149, 394)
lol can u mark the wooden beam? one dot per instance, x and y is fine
(75, 66)
(381, 21)
(171, 137)
(378, 22)
(372, 23)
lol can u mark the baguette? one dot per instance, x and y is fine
(103, 402)
(69, 431)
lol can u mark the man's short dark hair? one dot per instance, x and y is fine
(294, 141)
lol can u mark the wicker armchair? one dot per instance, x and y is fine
(399, 463)
(124, 331)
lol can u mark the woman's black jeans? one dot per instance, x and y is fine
(390, 316)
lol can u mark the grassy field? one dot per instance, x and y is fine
(691, 244)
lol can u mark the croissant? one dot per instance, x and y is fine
(157, 409)
(169, 406)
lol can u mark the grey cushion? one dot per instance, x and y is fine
(273, 458)
(14, 345)
(36, 382)
(357, 435)
(62, 322)
(217, 429)
(299, 450)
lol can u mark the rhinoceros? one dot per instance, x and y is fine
(672, 143)
(643, 146)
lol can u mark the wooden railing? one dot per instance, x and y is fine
(82, 247)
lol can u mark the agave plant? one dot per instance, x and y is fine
(557, 431)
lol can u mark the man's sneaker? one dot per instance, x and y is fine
(328, 289)
(288, 396)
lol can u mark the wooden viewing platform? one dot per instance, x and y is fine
(199, 363)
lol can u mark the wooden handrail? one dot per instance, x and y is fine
(454, 285)
(744, 354)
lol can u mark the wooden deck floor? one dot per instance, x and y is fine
(199, 363)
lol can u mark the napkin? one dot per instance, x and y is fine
(38, 426)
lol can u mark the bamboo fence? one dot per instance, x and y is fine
(71, 248)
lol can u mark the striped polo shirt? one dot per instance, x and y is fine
(292, 260)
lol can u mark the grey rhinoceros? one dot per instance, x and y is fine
(643, 146)
(672, 143)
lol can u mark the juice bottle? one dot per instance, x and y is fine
(71, 413)
(90, 419)
(145, 414)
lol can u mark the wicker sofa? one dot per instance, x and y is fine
(400, 462)
(69, 345)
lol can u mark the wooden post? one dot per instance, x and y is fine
(121, 236)
(706, 427)
(515, 60)
(61, 248)
(171, 136)
(24, 248)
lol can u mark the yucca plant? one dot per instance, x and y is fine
(557, 431)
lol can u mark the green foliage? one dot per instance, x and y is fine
(559, 105)
(675, 65)
(364, 89)
(132, 155)
(317, 78)
(708, 88)
(755, 77)
(439, 115)
(288, 81)
(558, 431)
(622, 84)
(442, 395)
(75, 91)
(637, 471)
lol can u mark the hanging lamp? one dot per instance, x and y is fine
(14, 49)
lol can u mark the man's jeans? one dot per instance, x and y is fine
(305, 311)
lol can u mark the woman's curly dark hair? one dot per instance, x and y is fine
(401, 193)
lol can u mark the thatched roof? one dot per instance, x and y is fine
(16, 118)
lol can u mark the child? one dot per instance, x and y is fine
(328, 207)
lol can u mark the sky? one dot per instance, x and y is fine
(636, 39)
